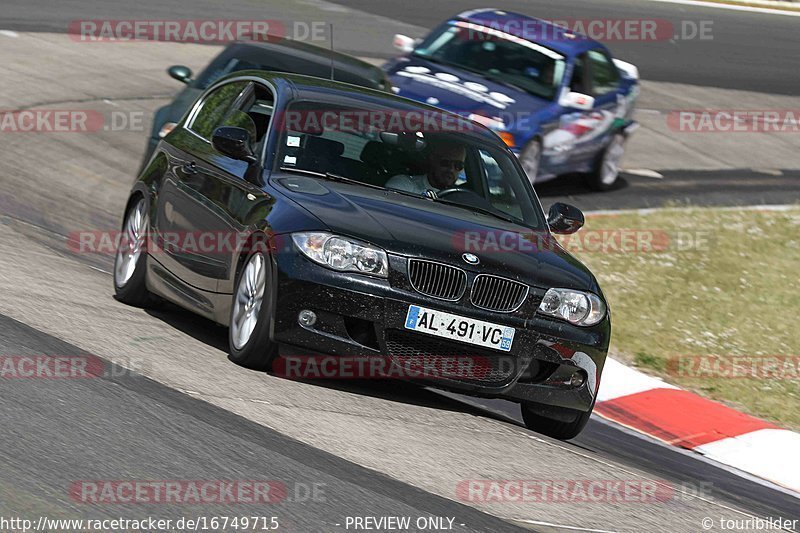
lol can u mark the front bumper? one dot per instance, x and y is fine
(361, 316)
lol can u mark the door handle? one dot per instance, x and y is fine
(190, 167)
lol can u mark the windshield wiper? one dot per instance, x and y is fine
(336, 177)
(502, 81)
(330, 176)
(447, 63)
(407, 193)
(483, 210)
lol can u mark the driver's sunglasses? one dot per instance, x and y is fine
(451, 163)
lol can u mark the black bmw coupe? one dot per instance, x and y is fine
(320, 218)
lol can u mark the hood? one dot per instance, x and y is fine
(413, 227)
(463, 92)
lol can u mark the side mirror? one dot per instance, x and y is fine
(404, 43)
(233, 142)
(180, 73)
(581, 101)
(564, 219)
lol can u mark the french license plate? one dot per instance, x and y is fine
(459, 328)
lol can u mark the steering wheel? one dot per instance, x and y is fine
(452, 190)
(466, 197)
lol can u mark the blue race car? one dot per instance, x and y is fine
(558, 99)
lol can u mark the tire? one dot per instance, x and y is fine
(606, 170)
(252, 314)
(563, 424)
(531, 159)
(130, 262)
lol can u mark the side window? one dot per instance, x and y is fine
(577, 83)
(214, 109)
(605, 76)
(253, 113)
(501, 192)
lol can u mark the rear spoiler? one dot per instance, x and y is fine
(628, 69)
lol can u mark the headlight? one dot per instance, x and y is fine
(497, 125)
(576, 307)
(342, 254)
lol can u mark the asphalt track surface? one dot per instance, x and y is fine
(128, 427)
(173, 425)
(700, 188)
(118, 424)
(734, 58)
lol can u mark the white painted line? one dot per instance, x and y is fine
(620, 380)
(327, 6)
(648, 111)
(768, 171)
(651, 210)
(550, 524)
(375, 61)
(776, 4)
(767, 453)
(9, 33)
(643, 173)
(732, 7)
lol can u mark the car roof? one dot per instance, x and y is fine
(531, 29)
(315, 58)
(312, 88)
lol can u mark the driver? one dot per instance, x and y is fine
(444, 163)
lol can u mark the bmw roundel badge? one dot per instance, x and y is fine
(472, 259)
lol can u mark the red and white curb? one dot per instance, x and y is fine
(680, 418)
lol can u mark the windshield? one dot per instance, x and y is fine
(240, 58)
(221, 68)
(419, 153)
(497, 56)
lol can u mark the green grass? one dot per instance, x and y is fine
(646, 360)
(735, 293)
